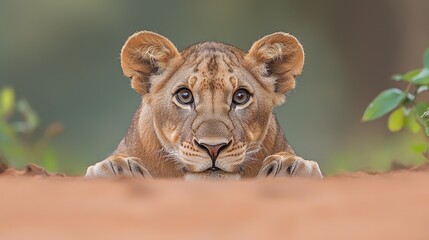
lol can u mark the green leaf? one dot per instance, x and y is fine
(420, 108)
(30, 116)
(385, 102)
(408, 76)
(427, 129)
(422, 88)
(426, 59)
(412, 123)
(49, 161)
(409, 98)
(396, 120)
(397, 77)
(7, 101)
(421, 78)
(419, 147)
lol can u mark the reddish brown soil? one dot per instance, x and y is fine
(358, 206)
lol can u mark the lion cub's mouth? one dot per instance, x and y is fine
(212, 173)
(214, 170)
(211, 170)
(236, 169)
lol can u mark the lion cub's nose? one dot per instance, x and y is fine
(213, 150)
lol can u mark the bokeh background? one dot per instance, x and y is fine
(63, 57)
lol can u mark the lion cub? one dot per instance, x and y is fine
(207, 111)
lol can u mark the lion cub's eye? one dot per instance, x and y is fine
(184, 96)
(241, 96)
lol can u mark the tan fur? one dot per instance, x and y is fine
(165, 135)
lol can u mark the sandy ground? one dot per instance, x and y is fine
(359, 206)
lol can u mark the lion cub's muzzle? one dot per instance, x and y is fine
(212, 137)
(212, 157)
(213, 150)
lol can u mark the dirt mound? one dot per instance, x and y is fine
(354, 206)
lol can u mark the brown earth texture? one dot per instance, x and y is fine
(394, 205)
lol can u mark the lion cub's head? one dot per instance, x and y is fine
(211, 103)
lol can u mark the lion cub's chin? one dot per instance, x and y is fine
(211, 176)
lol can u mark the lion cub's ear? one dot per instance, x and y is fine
(144, 54)
(280, 56)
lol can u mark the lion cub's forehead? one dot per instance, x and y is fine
(213, 65)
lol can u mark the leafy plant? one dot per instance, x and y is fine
(406, 111)
(20, 142)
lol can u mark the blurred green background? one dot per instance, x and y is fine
(63, 57)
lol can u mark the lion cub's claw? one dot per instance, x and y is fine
(118, 166)
(279, 165)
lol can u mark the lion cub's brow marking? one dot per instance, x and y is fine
(192, 81)
(207, 57)
(212, 63)
(210, 52)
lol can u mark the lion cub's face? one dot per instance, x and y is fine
(211, 103)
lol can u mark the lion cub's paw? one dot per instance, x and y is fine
(284, 165)
(118, 166)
